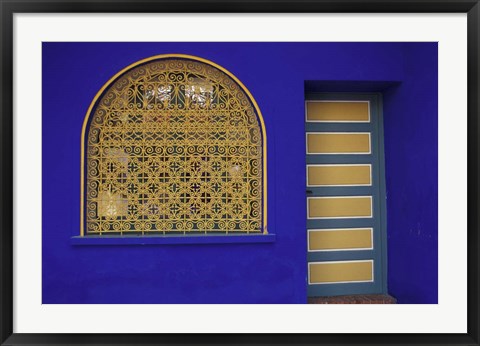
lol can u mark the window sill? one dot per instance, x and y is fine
(172, 239)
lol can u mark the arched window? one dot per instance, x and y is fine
(173, 144)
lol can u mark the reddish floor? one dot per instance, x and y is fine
(354, 299)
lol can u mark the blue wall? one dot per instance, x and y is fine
(411, 162)
(275, 74)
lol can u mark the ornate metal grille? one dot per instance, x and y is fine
(174, 145)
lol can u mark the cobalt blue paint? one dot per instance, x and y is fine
(276, 75)
(411, 160)
(172, 239)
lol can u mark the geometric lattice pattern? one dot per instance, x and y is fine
(174, 145)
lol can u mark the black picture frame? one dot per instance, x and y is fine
(10, 7)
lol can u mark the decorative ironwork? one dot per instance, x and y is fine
(174, 145)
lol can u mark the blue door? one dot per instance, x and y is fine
(345, 185)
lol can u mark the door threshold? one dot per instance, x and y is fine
(354, 299)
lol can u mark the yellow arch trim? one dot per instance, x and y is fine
(165, 56)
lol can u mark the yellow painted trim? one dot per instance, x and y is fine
(338, 111)
(340, 272)
(339, 175)
(338, 143)
(339, 207)
(167, 56)
(340, 239)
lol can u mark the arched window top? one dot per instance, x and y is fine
(173, 144)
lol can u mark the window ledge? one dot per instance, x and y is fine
(172, 239)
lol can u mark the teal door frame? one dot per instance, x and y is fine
(377, 189)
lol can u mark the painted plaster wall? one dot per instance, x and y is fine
(275, 74)
(411, 161)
